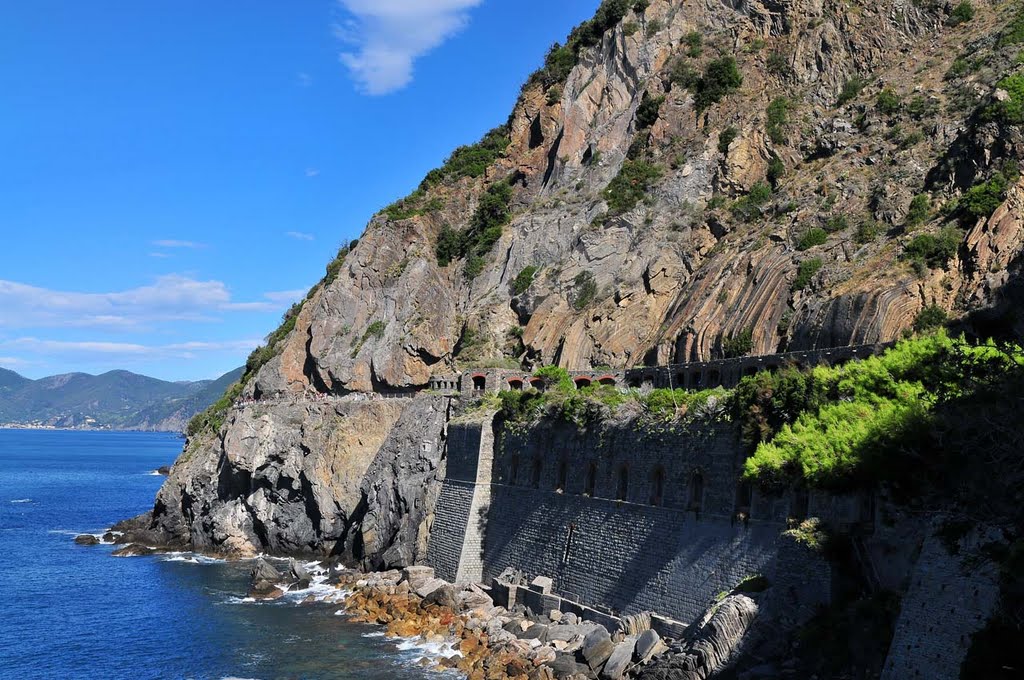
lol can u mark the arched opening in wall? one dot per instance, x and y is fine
(563, 476)
(591, 484)
(714, 378)
(582, 382)
(697, 380)
(658, 486)
(634, 383)
(773, 368)
(696, 491)
(801, 504)
(744, 498)
(749, 371)
(538, 467)
(679, 380)
(622, 491)
(479, 382)
(513, 470)
(537, 384)
(607, 380)
(515, 384)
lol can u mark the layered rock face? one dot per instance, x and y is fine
(697, 261)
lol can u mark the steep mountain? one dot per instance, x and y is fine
(117, 399)
(692, 180)
(680, 181)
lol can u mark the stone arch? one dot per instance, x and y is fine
(696, 491)
(749, 371)
(634, 382)
(622, 483)
(607, 380)
(680, 379)
(590, 487)
(535, 473)
(515, 384)
(582, 381)
(697, 379)
(479, 382)
(563, 476)
(658, 486)
(714, 378)
(744, 497)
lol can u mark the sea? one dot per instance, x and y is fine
(70, 611)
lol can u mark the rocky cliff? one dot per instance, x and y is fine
(682, 180)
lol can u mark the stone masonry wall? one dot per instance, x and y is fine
(949, 599)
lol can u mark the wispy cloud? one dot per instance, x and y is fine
(169, 298)
(305, 80)
(172, 243)
(299, 235)
(312, 172)
(386, 37)
(80, 349)
(161, 256)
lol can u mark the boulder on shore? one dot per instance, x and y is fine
(263, 581)
(86, 539)
(298, 577)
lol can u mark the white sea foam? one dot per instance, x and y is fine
(22, 500)
(155, 473)
(189, 558)
(374, 634)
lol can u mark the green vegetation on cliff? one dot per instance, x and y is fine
(869, 421)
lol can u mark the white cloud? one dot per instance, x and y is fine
(305, 80)
(172, 243)
(160, 255)
(312, 172)
(184, 350)
(387, 36)
(168, 298)
(299, 235)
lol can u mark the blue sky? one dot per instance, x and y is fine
(175, 174)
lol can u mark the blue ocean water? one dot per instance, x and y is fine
(68, 611)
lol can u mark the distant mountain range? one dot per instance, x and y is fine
(118, 400)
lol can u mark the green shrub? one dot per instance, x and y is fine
(922, 108)
(805, 272)
(334, 266)
(851, 89)
(888, 102)
(726, 137)
(815, 236)
(778, 119)
(584, 290)
(555, 376)
(983, 198)
(776, 170)
(920, 210)
(630, 27)
(778, 64)
(1013, 34)
(694, 43)
(750, 206)
(867, 231)
(653, 26)
(524, 280)
(961, 14)
(470, 161)
(933, 251)
(647, 112)
(721, 77)
(683, 74)
(837, 223)
(1011, 111)
(930, 318)
(630, 186)
(738, 345)
(869, 421)
(485, 227)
